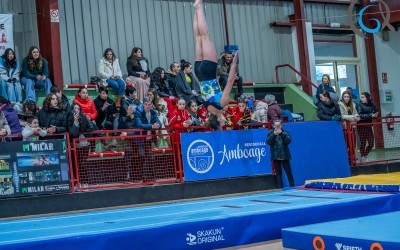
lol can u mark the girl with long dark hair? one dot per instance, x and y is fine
(9, 72)
(139, 71)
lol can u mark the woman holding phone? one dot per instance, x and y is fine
(106, 110)
(78, 122)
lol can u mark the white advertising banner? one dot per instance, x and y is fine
(6, 32)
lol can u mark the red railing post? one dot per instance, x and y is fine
(296, 71)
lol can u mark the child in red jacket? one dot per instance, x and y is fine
(241, 115)
(180, 117)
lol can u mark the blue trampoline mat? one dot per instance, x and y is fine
(200, 224)
(381, 230)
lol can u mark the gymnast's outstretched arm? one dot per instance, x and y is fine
(229, 83)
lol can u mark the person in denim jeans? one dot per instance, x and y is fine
(3, 89)
(9, 77)
(35, 73)
(110, 72)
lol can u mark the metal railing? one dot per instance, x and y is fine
(296, 71)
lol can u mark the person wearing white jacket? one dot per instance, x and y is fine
(9, 77)
(32, 131)
(109, 71)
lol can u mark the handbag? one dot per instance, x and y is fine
(95, 80)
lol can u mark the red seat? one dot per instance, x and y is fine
(89, 86)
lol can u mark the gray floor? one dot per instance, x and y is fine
(270, 245)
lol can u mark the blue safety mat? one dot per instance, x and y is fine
(379, 231)
(201, 224)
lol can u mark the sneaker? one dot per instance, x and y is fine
(364, 159)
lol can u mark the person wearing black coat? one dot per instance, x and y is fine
(367, 111)
(174, 69)
(138, 71)
(186, 84)
(193, 109)
(158, 81)
(64, 99)
(78, 123)
(325, 85)
(106, 110)
(128, 121)
(52, 116)
(328, 110)
(279, 139)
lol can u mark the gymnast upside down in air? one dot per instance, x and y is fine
(205, 69)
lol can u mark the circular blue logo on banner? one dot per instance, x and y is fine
(200, 156)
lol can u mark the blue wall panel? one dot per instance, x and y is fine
(318, 151)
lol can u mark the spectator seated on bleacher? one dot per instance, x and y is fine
(202, 112)
(241, 115)
(174, 69)
(325, 85)
(35, 73)
(9, 77)
(274, 111)
(162, 141)
(52, 116)
(110, 72)
(261, 112)
(193, 112)
(180, 118)
(138, 72)
(4, 128)
(106, 110)
(78, 122)
(130, 98)
(158, 81)
(224, 65)
(86, 104)
(27, 110)
(328, 110)
(64, 99)
(11, 116)
(128, 121)
(147, 118)
(157, 101)
(186, 84)
(32, 130)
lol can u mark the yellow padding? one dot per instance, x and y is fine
(372, 179)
